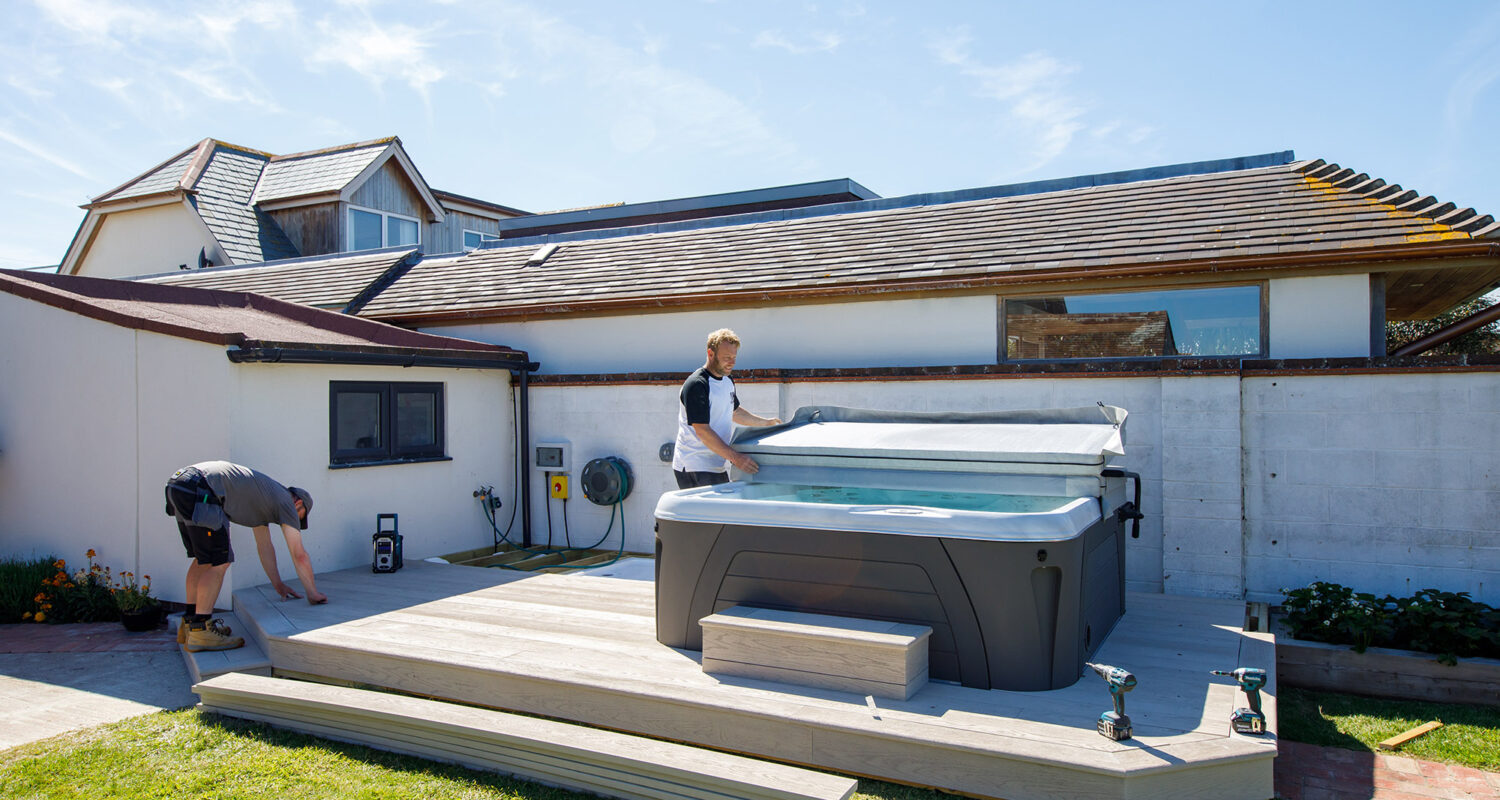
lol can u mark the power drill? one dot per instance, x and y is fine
(1247, 720)
(1114, 724)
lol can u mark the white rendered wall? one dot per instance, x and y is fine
(890, 333)
(1322, 317)
(149, 240)
(94, 418)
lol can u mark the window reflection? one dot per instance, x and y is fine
(1220, 321)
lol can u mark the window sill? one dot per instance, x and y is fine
(385, 462)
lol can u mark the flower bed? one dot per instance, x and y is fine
(1335, 639)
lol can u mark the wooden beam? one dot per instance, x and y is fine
(1395, 742)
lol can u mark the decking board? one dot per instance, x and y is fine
(580, 647)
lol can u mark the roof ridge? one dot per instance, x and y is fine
(1463, 220)
(1238, 164)
(337, 148)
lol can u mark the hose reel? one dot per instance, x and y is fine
(607, 480)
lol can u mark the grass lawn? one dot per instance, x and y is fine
(1470, 734)
(191, 754)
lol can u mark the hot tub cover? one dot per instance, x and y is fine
(1073, 436)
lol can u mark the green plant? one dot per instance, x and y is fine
(83, 596)
(132, 595)
(1328, 612)
(1449, 624)
(1470, 734)
(20, 581)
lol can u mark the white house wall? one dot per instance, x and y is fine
(94, 418)
(149, 240)
(951, 330)
(280, 414)
(1327, 316)
(1382, 482)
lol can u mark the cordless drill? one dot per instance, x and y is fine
(1247, 720)
(1114, 724)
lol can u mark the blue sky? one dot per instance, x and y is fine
(554, 105)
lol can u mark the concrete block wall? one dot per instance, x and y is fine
(1200, 486)
(1386, 483)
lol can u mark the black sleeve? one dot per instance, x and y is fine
(695, 398)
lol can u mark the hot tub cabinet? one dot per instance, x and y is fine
(1002, 531)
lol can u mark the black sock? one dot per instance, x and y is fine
(197, 622)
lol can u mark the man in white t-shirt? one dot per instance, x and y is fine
(706, 413)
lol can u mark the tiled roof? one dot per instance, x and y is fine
(223, 201)
(1282, 215)
(330, 281)
(162, 178)
(316, 173)
(233, 318)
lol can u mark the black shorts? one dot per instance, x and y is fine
(688, 480)
(207, 546)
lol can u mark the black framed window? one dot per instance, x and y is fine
(371, 421)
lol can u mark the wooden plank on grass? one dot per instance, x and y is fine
(1395, 742)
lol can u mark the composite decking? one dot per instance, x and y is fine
(582, 647)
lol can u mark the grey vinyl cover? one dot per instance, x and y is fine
(1074, 436)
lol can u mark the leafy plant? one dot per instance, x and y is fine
(20, 581)
(84, 596)
(1328, 612)
(1447, 624)
(132, 595)
(1478, 341)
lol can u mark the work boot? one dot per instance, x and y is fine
(213, 636)
(182, 628)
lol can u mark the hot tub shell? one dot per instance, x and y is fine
(1016, 601)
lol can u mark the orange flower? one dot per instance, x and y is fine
(40, 617)
(60, 564)
(90, 553)
(26, 617)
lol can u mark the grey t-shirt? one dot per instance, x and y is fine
(250, 498)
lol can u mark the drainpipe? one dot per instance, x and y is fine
(523, 449)
(1474, 321)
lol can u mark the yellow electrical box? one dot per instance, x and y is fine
(558, 486)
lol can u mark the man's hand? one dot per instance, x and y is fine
(744, 463)
(286, 592)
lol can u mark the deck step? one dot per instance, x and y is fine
(205, 664)
(874, 657)
(555, 753)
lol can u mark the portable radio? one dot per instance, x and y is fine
(387, 545)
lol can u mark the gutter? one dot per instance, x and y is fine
(390, 358)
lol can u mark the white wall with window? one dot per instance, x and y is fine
(370, 229)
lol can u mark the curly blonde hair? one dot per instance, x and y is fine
(722, 336)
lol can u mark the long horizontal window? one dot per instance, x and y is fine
(1220, 321)
(370, 421)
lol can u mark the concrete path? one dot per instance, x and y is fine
(59, 678)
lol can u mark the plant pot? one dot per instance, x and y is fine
(143, 619)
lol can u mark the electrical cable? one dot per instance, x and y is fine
(567, 538)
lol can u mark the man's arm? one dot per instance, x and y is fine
(267, 552)
(711, 440)
(303, 564)
(749, 420)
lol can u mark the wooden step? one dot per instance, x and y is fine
(884, 659)
(205, 664)
(555, 753)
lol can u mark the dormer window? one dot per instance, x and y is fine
(371, 230)
(474, 239)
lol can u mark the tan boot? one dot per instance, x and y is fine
(214, 636)
(182, 628)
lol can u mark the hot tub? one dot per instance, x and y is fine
(1002, 531)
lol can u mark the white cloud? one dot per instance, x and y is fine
(1039, 111)
(379, 52)
(39, 152)
(816, 43)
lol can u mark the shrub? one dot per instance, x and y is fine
(132, 595)
(1447, 624)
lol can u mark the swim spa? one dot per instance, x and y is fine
(1002, 531)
